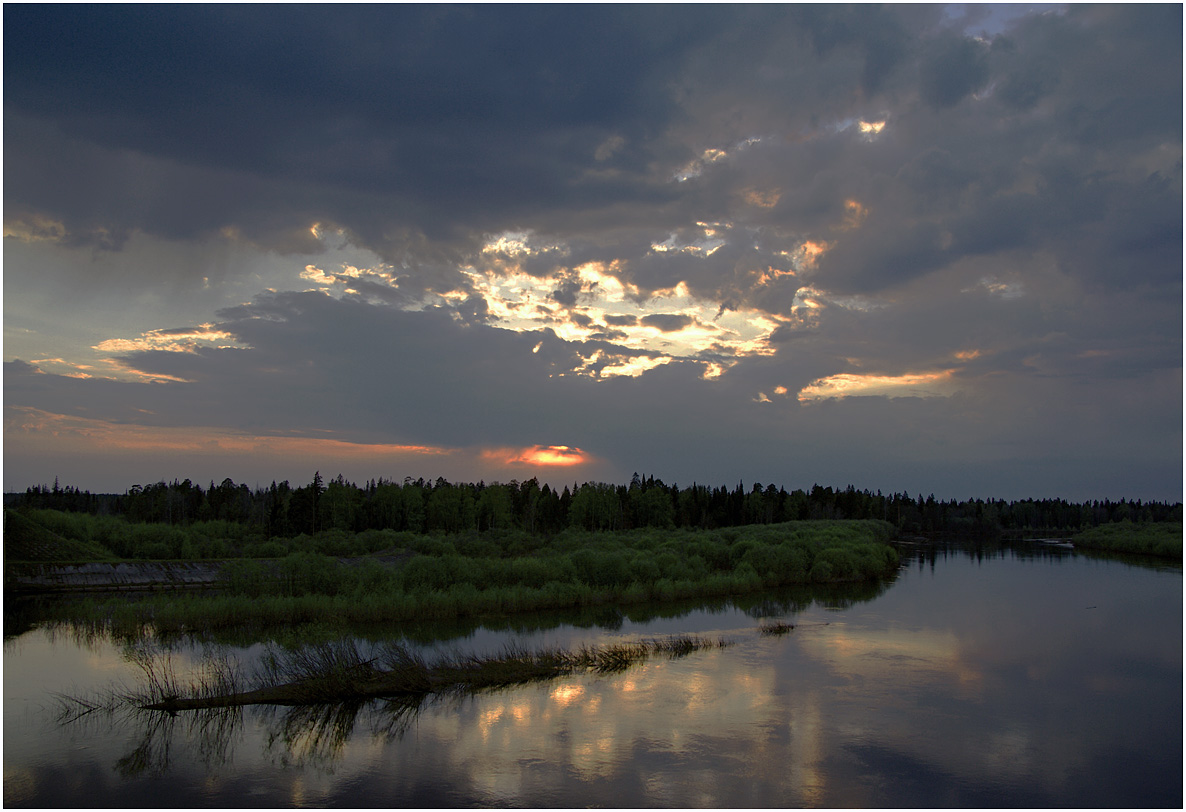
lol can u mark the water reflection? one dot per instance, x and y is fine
(980, 678)
(25, 614)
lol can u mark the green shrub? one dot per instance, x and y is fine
(821, 571)
(424, 573)
(644, 569)
(265, 549)
(246, 577)
(601, 568)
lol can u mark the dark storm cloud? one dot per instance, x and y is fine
(396, 120)
(419, 129)
(434, 111)
(567, 293)
(956, 67)
(667, 322)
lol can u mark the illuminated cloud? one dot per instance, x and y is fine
(871, 129)
(34, 228)
(704, 244)
(854, 215)
(521, 243)
(36, 427)
(170, 340)
(546, 455)
(670, 323)
(696, 168)
(762, 198)
(924, 384)
(315, 274)
(713, 370)
(634, 366)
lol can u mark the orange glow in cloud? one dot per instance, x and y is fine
(968, 355)
(813, 249)
(770, 275)
(762, 198)
(558, 455)
(92, 434)
(34, 228)
(854, 214)
(923, 384)
(170, 340)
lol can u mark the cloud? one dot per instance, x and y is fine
(667, 322)
(374, 222)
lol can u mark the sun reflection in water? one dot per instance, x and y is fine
(565, 695)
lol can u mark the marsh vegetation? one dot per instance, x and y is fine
(342, 671)
(427, 577)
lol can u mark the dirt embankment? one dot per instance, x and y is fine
(28, 577)
(35, 576)
(37, 560)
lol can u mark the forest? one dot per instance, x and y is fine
(422, 506)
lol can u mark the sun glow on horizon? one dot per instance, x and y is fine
(550, 455)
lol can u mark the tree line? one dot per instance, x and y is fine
(439, 506)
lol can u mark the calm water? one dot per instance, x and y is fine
(1016, 679)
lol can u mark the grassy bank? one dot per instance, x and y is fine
(474, 575)
(1161, 539)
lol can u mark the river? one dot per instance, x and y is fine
(1029, 676)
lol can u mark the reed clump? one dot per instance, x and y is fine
(340, 671)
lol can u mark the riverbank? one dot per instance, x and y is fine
(438, 578)
(22, 578)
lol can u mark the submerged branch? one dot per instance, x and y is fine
(337, 672)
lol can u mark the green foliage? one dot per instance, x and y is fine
(576, 569)
(1161, 539)
(27, 540)
(265, 549)
(601, 568)
(246, 577)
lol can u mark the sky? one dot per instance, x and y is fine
(931, 249)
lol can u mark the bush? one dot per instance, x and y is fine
(601, 569)
(821, 571)
(310, 574)
(265, 549)
(247, 577)
(424, 573)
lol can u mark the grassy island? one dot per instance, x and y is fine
(400, 576)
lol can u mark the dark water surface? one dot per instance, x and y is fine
(1019, 678)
